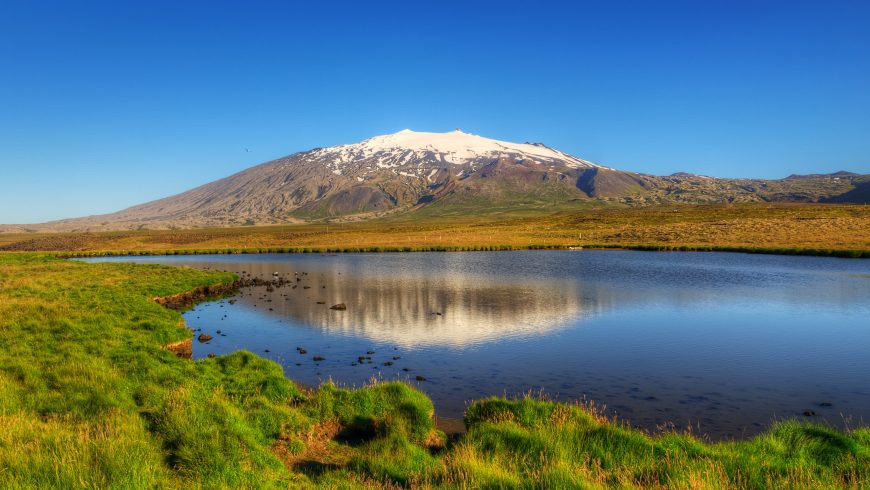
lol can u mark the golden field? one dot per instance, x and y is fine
(754, 227)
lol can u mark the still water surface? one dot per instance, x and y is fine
(719, 342)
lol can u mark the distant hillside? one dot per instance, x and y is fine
(860, 194)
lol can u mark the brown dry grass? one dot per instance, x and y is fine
(816, 226)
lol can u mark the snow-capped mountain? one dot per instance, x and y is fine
(421, 149)
(382, 174)
(452, 172)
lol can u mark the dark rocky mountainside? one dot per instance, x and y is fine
(435, 172)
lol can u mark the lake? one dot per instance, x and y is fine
(719, 343)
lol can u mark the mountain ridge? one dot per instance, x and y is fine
(409, 170)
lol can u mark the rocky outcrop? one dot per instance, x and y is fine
(186, 300)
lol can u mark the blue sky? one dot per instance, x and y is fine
(109, 104)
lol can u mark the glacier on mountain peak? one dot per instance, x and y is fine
(455, 147)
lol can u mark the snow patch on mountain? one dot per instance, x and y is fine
(423, 148)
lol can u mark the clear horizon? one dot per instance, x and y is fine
(105, 106)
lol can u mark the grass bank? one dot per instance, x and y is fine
(854, 254)
(89, 399)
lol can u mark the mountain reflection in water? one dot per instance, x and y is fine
(439, 309)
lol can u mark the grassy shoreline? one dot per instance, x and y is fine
(854, 254)
(88, 398)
